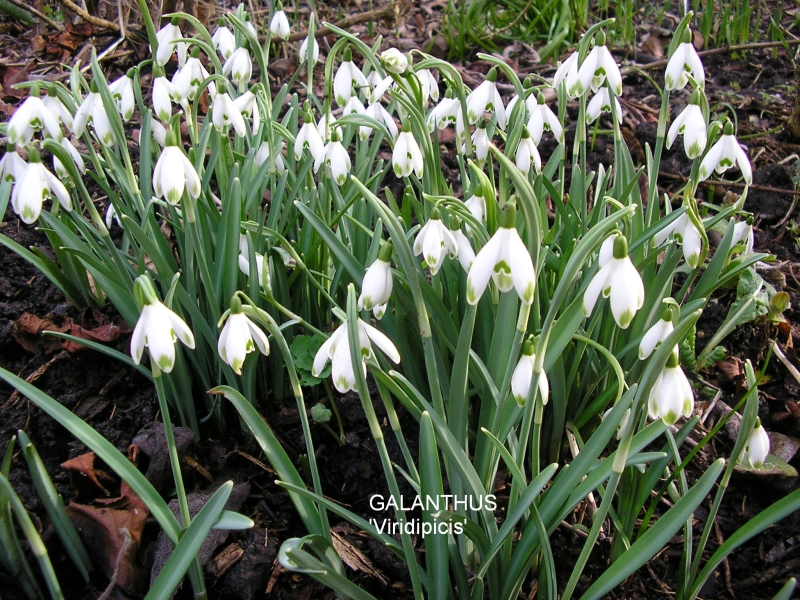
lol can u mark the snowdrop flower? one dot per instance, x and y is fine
(34, 185)
(480, 141)
(380, 114)
(529, 96)
(122, 92)
(485, 98)
(523, 375)
(672, 395)
(337, 349)
(394, 61)
(74, 155)
(52, 103)
(346, 77)
(262, 267)
(279, 25)
(477, 203)
(684, 62)
(692, 125)
(567, 69)
(756, 448)
(376, 288)
(743, 232)
(543, 119)
(308, 138)
(596, 68)
(188, 78)
(240, 337)
(247, 105)
(600, 103)
(336, 157)
(324, 128)
(111, 216)
(157, 328)
(163, 91)
(224, 40)
(447, 112)
(303, 54)
(174, 173)
(686, 232)
(159, 133)
(92, 109)
(506, 260)
(726, 153)
(617, 278)
(526, 151)
(224, 112)
(263, 155)
(656, 334)
(354, 105)
(248, 24)
(466, 255)
(32, 115)
(374, 78)
(434, 241)
(622, 424)
(11, 165)
(407, 156)
(429, 85)
(167, 44)
(239, 67)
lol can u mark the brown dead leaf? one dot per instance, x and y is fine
(653, 46)
(112, 536)
(28, 333)
(10, 76)
(83, 466)
(355, 559)
(697, 39)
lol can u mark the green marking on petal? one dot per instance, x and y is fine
(165, 362)
(625, 319)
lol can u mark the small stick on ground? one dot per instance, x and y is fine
(388, 11)
(96, 21)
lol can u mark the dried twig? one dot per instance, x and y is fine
(37, 13)
(388, 11)
(786, 363)
(96, 21)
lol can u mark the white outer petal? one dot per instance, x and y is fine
(382, 341)
(522, 271)
(482, 269)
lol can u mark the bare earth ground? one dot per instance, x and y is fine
(120, 403)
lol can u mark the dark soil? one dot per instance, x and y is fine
(119, 402)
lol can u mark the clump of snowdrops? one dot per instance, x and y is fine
(526, 323)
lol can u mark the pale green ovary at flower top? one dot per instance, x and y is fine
(337, 349)
(756, 447)
(504, 259)
(617, 279)
(671, 397)
(157, 329)
(238, 338)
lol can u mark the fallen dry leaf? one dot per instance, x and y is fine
(83, 466)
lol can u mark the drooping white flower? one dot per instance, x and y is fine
(354, 105)
(174, 173)
(167, 44)
(477, 203)
(279, 25)
(239, 67)
(122, 92)
(622, 424)
(756, 448)
(159, 132)
(224, 41)
(466, 255)
(224, 112)
(429, 85)
(163, 91)
(684, 62)
(723, 155)
(543, 119)
(692, 125)
(304, 51)
(347, 76)
(504, 259)
(262, 267)
(743, 232)
(655, 335)
(567, 69)
(523, 375)
(188, 78)
(376, 287)
(374, 78)
(406, 156)
(33, 186)
(336, 157)
(394, 61)
(11, 165)
(596, 68)
(53, 103)
(325, 128)
(447, 112)
(672, 395)
(602, 102)
(527, 154)
(92, 109)
(157, 329)
(61, 172)
(380, 114)
(485, 98)
(263, 155)
(239, 337)
(308, 138)
(434, 241)
(686, 232)
(111, 216)
(617, 278)
(480, 143)
(247, 105)
(32, 115)
(337, 349)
